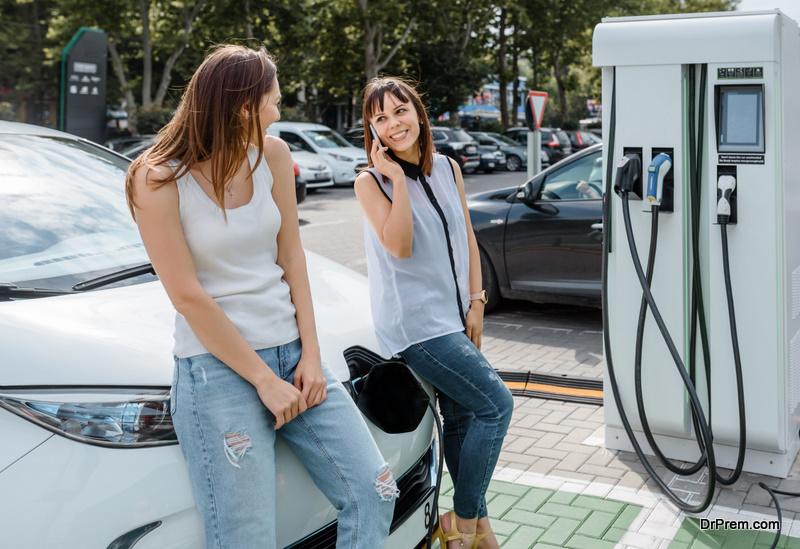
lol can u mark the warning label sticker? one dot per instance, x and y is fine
(741, 159)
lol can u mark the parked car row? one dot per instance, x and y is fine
(88, 453)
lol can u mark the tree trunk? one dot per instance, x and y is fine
(130, 101)
(515, 74)
(562, 92)
(248, 28)
(147, 55)
(373, 43)
(502, 77)
(370, 56)
(166, 74)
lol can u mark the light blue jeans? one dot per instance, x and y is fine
(227, 437)
(476, 410)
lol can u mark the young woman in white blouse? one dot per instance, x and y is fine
(215, 203)
(425, 290)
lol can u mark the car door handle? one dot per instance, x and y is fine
(597, 226)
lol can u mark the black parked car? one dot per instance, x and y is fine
(458, 145)
(554, 140)
(542, 241)
(580, 139)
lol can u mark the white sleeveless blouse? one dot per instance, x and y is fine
(426, 295)
(236, 263)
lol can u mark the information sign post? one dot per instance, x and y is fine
(83, 85)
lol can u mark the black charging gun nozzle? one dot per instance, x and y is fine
(627, 173)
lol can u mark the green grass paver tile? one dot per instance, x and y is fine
(583, 542)
(500, 504)
(445, 503)
(740, 540)
(687, 532)
(678, 545)
(503, 527)
(614, 534)
(561, 530)
(767, 537)
(563, 498)
(523, 538)
(546, 546)
(557, 510)
(534, 499)
(447, 484)
(526, 517)
(792, 543)
(508, 488)
(598, 504)
(597, 524)
(704, 541)
(626, 517)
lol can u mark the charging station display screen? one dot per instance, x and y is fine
(741, 119)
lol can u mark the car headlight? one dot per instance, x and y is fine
(341, 158)
(124, 419)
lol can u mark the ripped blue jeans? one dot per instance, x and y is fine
(227, 437)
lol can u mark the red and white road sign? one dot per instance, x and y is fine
(538, 100)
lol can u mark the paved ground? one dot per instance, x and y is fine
(556, 485)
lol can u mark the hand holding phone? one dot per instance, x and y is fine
(375, 135)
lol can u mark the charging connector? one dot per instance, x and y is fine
(628, 171)
(656, 172)
(726, 184)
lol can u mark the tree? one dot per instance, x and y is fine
(376, 18)
(28, 70)
(143, 35)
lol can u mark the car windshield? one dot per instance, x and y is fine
(504, 139)
(327, 139)
(461, 135)
(63, 216)
(580, 179)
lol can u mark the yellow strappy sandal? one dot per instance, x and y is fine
(451, 534)
(479, 537)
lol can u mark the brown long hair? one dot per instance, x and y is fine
(208, 124)
(405, 92)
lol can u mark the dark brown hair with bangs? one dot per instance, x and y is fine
(406, 92)
(208, 125)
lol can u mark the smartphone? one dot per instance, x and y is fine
(375, 135)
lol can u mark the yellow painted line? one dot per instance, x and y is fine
(555, 389)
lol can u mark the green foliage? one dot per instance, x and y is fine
(491, 126)
(150, 121)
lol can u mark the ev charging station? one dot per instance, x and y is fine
(719, 95)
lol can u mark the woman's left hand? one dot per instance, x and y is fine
(310, 380)
(475, 323)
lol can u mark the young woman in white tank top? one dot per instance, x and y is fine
(215, 204)
(425, 290)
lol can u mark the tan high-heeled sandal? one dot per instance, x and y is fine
(479, 537)
(452, 534)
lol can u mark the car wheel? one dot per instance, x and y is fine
(513, 163)
(489, 283)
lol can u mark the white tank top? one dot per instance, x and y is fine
(236, 263)
(426, 295)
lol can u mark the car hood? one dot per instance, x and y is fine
(494, 195)
(123, 336)
(309, 160)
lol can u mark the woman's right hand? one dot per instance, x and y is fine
(385, 165)
(283, 399)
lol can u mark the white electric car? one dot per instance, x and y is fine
(88, 455)
(344, 159)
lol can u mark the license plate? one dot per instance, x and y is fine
(491, 164)
(319, 175)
